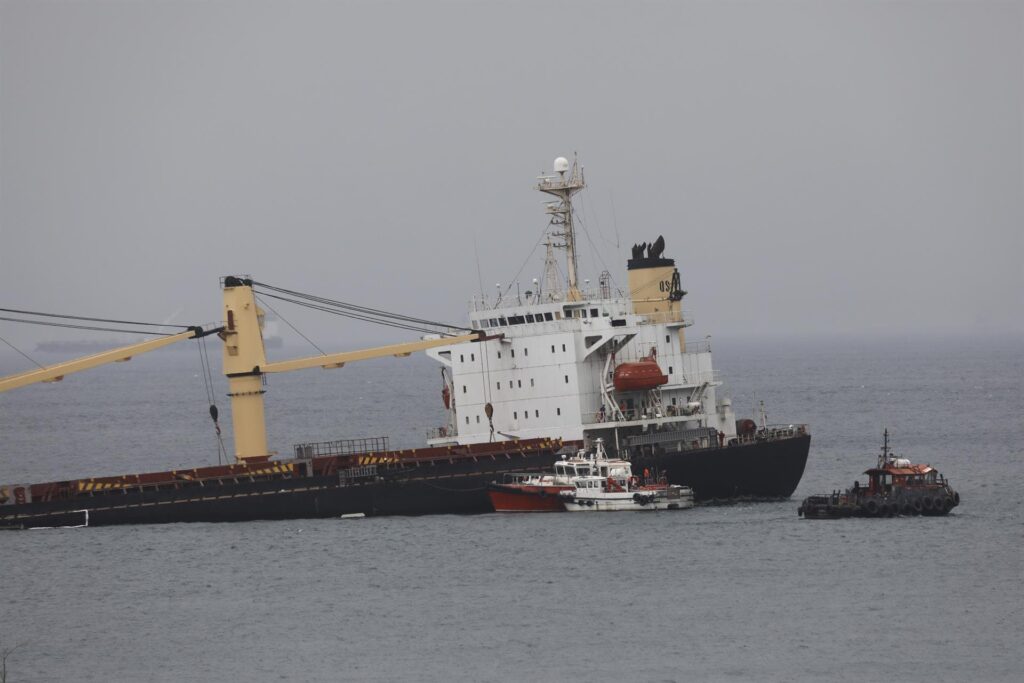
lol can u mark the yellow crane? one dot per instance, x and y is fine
(245, 363)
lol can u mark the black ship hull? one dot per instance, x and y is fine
(757, 470)
(390, 486)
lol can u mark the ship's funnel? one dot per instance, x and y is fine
(654, 284)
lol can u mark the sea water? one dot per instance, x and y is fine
(746, 592)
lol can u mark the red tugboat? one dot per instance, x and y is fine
(895, 487)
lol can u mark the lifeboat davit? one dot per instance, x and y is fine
(639, 375)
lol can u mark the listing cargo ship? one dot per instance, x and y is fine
(534, 375)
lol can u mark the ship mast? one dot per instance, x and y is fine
(564, 187)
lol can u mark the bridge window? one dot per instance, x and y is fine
(593, 312)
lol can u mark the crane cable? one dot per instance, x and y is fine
(204, 361)
(355, 312)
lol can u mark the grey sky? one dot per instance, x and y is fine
(815, 167)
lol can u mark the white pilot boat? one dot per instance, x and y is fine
(612, 486)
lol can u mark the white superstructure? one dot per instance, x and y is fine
(550, 369)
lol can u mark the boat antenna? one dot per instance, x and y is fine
(564, 187)
(885, 448)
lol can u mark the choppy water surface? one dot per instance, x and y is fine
(745, 592)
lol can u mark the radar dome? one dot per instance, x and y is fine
(561, 165)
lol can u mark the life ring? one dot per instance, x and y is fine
(926, 502)
(938, 504)
(871, 507)
(956, 498)
(907, 508)
(948, 504)
(917, 505)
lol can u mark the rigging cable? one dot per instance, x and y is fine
(94, 320)
(261, 300)
(334, 311)
(527, 260)
(30, 358)
(88, 327)
(355, 309)
(204, 361)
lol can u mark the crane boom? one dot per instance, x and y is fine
(337, 360)
(55, 373)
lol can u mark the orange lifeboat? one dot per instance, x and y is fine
(639, 375)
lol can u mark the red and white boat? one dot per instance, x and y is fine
(539, 491)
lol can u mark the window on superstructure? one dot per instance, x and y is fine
(531, 381)
(558, 411)
(494, 322)
(667, 339)
(519, 382)
(515, 415)
(582, 313)
(670, 369)
(472, 356)
(563, 347)
(593, 312)
(499, 354)
(673, 400)
(567, 379)
(526, 352)
(510, 384)
(529, 317)
(552, 348)
(547, 316)
(462, 359)
(536, 413)
(558, 315)
(463, 388)
(499, 385)
(502, 322)
(478, 419)
(526, 414)
(467, 419)
(513, 352)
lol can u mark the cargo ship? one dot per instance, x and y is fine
(533, 375)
